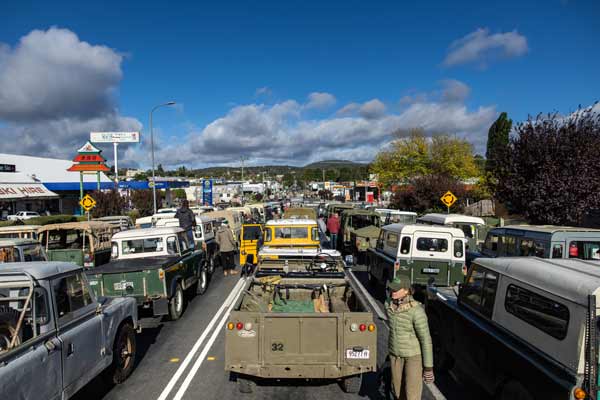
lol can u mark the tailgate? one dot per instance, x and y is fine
(72, 256)
(301, 339)
(138, 284)
(423, 270)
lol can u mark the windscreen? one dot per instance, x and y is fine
(252, 232)
(362, 221)
(64, 239)
(33, 253)
(146, 245)
(292, 232)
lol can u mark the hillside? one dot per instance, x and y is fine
(334, 164)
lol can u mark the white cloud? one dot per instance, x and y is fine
(372, 109)
(320, 101)
(54, 90)
(480, 47)
(280, 134)
(263, 91)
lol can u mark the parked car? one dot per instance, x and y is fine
(474, 228)
(423, 254)
(19, 231)
(351, 221)
(291, 233)
(83, 243)
(301, 316)
(21, 250)
(204, 238)
(391, 216)
(23, 216)
(521, 328)
(546, 241)
(154, 266)
(56, 335)
(234, 218)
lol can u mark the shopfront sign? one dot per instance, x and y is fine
(9, 191)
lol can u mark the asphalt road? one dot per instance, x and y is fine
(184, 359)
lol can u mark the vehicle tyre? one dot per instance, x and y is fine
(245, 385)
(352, 384)
(210, 265)
(513, 390)
(202, 283)
(176, 303)
(124, 350)
(8, 327)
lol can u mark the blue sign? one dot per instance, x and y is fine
(207, 192)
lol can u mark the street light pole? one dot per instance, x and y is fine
(170, 103)
(243, 158)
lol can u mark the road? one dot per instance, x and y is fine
(184, 359)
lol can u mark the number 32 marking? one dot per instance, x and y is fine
(277, 346)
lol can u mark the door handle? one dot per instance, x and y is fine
(70, 349)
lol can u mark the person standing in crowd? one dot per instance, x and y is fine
(409, 344)
(227, 248)
(187, 221)
(333, 227)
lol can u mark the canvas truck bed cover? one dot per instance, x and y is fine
(135, 264)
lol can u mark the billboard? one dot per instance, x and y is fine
(115, 137)
(207, 192)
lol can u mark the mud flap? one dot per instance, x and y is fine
(160, 307)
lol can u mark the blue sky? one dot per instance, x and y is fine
(373, 67)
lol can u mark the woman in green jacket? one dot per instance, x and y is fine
(409, 345)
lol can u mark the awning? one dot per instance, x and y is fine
(17, 191)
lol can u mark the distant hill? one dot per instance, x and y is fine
(334, 164)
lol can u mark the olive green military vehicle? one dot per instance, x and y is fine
(350, 222)
(301, 316)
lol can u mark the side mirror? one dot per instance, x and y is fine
(349, 260)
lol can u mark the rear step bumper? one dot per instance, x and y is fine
(301, 371)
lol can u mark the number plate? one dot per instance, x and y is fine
(358, 355)
(122, 285)
(431, 270)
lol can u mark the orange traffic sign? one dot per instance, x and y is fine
(87, 203)
(448, 199)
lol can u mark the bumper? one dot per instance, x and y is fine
(300, 371)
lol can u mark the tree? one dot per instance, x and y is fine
(140, 177)
(143, 202)
(159, 170)
(423, 194)
(497, 145)
(108, 203)
(550, 173)
(416, 155)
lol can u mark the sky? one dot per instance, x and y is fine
(284, 82)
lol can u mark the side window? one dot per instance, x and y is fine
(405, 245)
(391, 239)
(541, 312)
(526, 248)
(491, 243)
(315, 234)
(458, 248)
(380, 240)
(71, 294)
(479, 291)
(172, 245)
(268, 234)
(183, 242)
(557, 251)
(510, 246)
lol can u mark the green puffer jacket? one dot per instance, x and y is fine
(409, 331)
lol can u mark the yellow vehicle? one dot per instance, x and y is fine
(292, 233)
(250, 241)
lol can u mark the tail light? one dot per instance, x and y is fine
(230, 326)
(573, 250)
(239, 326)
(579, 393)
(396, 265)
(362, 327)
(371, 328)
(87, 257)
(161, 274)
(464, 270)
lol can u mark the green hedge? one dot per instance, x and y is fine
(51, 219)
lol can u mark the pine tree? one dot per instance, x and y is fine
(497, 144)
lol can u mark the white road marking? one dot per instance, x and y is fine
(234, 294)
(209, 344)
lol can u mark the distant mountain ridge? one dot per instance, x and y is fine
(334, 164)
